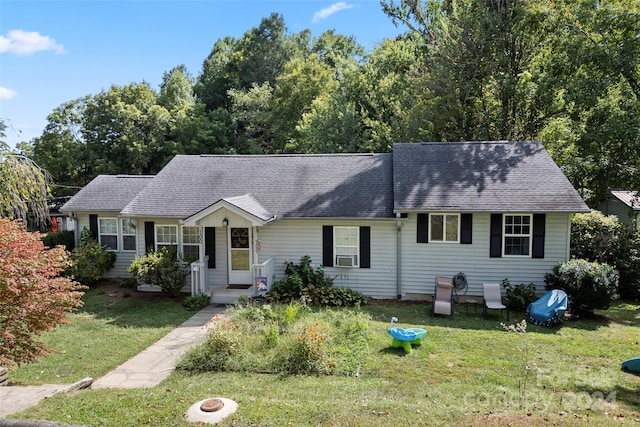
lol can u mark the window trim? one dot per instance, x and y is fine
(337, 253)
(100, 233)
(444, 227)
(198, 244)
(123, 235)
(506, 235)
(155, 236)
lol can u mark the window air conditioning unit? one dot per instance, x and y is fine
(344, 260)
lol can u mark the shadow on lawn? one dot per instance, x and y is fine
(133, 309)
(618, 394)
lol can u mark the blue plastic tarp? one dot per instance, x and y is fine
(549, 309)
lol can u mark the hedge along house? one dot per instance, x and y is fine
(382, 224)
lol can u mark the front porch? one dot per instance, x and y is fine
(262, 277)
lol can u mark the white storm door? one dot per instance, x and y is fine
(240, 256)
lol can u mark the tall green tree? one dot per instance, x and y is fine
(251, 108)
(476, 69)
(127, 130)
(62, 148)
(595, 69)
(257, 57)
(301, 82)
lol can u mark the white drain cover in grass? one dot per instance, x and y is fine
(211, 411)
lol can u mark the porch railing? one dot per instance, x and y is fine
(263, 275)
(199, 279)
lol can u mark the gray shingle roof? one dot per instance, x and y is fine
(481, 177)
(346, 185)
(451, 176)
(107, 193)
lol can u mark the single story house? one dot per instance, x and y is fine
(382, 224)
(624, 204)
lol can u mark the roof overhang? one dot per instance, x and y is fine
(244, 206)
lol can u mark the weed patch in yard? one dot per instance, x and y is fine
(284, 339)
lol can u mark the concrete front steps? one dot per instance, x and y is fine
(224, 295)
(219, 294)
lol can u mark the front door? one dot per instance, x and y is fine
(240, 256)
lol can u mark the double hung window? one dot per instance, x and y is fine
(191, 243)
(166, 237)
(346, 246)
(517, 235)
(128, 234)
(108, 233)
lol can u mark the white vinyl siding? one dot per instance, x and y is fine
(290, 239)
(123, 259)
(422, 263)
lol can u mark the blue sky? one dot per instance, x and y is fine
(52, 52)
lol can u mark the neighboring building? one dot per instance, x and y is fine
(625, 205)
(382, 224)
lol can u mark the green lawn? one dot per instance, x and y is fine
(107, 331)
(469, 371)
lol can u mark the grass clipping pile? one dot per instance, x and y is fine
(283, 339)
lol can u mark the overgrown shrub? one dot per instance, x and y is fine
(589, 285)
(334, 297)
(284, 339)
(90, 260)
(196, 302)
(309, 282)
(599, 238)
(299, 276)
(308, 354)
(161, 268)
(520, 296)
(222, 342)
(61, 238)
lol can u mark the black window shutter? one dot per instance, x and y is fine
(365, 247)
(149, 236)
(327, 246)
(93, 226)
(466, 228)
(423, 228)
(538, 235)
(210, 245)
(495, 243)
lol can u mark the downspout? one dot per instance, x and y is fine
(398, 256)
(568, 255)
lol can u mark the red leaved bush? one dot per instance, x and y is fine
(33, 296)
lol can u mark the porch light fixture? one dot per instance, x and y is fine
(225, 222)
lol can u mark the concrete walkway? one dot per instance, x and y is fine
(145, 370)
(157, 362)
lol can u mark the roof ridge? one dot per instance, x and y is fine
(301, 155)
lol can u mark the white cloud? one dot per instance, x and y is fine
(22, 42)
(328, 11)
(7, 93)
